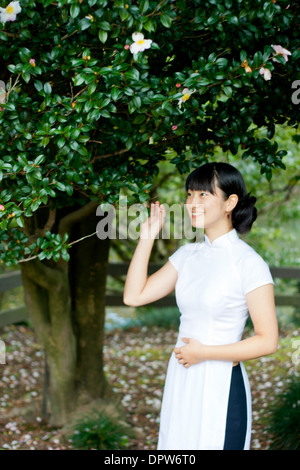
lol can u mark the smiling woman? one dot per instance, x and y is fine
(207, 399)
(218, 192)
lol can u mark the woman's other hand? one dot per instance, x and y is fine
(190, 354)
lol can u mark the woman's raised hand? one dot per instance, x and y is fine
(153, 224)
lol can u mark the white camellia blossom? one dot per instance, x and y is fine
(186, 93)
(266, 73)
(2, 94)
(281, 51)
(139, 44)
(10, 12)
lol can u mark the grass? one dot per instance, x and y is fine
(99, 432)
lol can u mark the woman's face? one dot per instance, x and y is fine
(206, 209)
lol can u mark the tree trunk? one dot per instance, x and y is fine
(48, 301)
(88, 270)
(66, 302)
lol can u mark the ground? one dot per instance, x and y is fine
(135, 364)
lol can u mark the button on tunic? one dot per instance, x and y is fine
(213, 280)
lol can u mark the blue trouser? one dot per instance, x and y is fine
(236, 423)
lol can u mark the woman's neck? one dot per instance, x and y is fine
(214, 233)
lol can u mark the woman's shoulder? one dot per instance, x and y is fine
(244, 249)
(183, 253)
(190, 247)
(248, 258)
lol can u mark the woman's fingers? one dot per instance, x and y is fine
(156, 208)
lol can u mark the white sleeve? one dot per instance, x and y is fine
(255, 273)
(177, 258)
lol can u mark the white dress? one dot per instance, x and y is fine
(213, 280)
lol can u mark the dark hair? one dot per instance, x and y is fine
(230, 181)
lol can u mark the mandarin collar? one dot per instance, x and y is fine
(223, 240)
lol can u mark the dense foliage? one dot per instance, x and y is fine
(90, 107)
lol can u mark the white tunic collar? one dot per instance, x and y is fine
(223, 240)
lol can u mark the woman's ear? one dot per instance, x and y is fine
(232, 202)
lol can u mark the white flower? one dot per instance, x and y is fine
(266, 73)
(10, 12)
(281, 51)
(186, 93)
(2, 94)
(139, 44)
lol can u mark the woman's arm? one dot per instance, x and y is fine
(139, 288)
(261, 305)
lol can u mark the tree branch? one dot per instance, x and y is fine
(51, 220)
(42, 275)
(69, 220)
(107, 155)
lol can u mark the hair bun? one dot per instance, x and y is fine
(244, 214)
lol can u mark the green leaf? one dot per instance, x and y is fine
(104, 25)
(45, 141)
(149, 26)
(137, 102)
(243, 56)
(116, 93)
(10, 106)
(104, 113)
(3, 37)
(78, 80)
(105, 102)
(24, 54)
(166, 20)
(123, 12)
(61, 142)
(69, 190)
(47, 88)
(144, 6)
(105, 70)
(40, 159)
(296, 54)
(11, 68)
(35, 205)
(65, 256)
(85, 23)
(128, 144)
(38, 85)
(20, 222)
(222, 62)
(60, 186)
(228, 91)
(132, 74)
(26, 76)
(102, 36)
(74, 11)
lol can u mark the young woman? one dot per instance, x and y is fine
(207, 402)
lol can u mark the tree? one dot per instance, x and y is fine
(95, 94)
